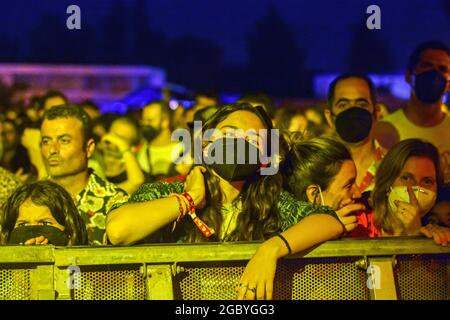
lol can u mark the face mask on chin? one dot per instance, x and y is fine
(54, 235)
(429, 86)
(233, 159)
(354, 124)
(425, 197)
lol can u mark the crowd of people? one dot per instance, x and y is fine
(70, 175)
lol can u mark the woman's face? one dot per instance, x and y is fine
(31, 214)
(343, 190)
(239, 123)
(243, 125)
(417, 171)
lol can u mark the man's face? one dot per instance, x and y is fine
(348, 93)
(204, 101)
(352, 92)
(152, 115)
(62, 147)
(433, 59)
(343, 190)
(9, 136)
(125, 131)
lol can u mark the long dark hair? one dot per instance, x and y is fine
(259, 216)
(390, 168)
(49, 194)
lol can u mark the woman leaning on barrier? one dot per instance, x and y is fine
(406, 184)
(41, 213)
(228, 202)
(322, 171)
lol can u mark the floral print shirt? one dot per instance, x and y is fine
(94, 201)
(8, 184)
(290, 210)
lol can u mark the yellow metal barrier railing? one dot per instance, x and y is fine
(384, 268)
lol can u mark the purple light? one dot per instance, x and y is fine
(173, 104)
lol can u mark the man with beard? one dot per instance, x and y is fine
(351, 114)
(423, 116)
(156, 157)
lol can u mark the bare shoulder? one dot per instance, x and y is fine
(386, 134)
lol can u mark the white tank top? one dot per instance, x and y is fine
(438, 135)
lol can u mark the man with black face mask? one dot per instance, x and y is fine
(423, 116)
(156, 157)
(352, 112)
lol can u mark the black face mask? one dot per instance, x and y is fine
(150, 132)
(54, 235)
(244, 158)
(429, 86)
(353, 125)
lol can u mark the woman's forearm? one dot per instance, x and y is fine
(307, 233)
(257, 279)
(134, 221)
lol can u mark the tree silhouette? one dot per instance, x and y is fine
(149, 45)
(369, 52)
(194, 62)
(446, 6)
(46, 40)
(52, 42)
(275, 59)
(9, 51)
(117, 36)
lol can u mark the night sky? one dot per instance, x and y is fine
(233, 45)
(322, 27)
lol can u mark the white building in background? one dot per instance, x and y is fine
(80, 82)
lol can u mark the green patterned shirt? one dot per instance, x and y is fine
(290, 210)
(94, 201)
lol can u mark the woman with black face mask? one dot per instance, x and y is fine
(41, 213)
(229, 201)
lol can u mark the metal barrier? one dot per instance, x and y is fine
(384, 268)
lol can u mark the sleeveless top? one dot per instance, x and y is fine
(438, 135)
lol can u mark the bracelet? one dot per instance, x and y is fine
(285, 242)
(190, 201)
(182, 207)
(206, 231)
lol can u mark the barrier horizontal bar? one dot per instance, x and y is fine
(168, 253)
(27, 254)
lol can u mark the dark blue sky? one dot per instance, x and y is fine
(322, 27)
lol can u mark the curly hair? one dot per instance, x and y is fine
(258, 218)
(56, 198)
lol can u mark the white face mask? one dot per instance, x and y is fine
(425, 197)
